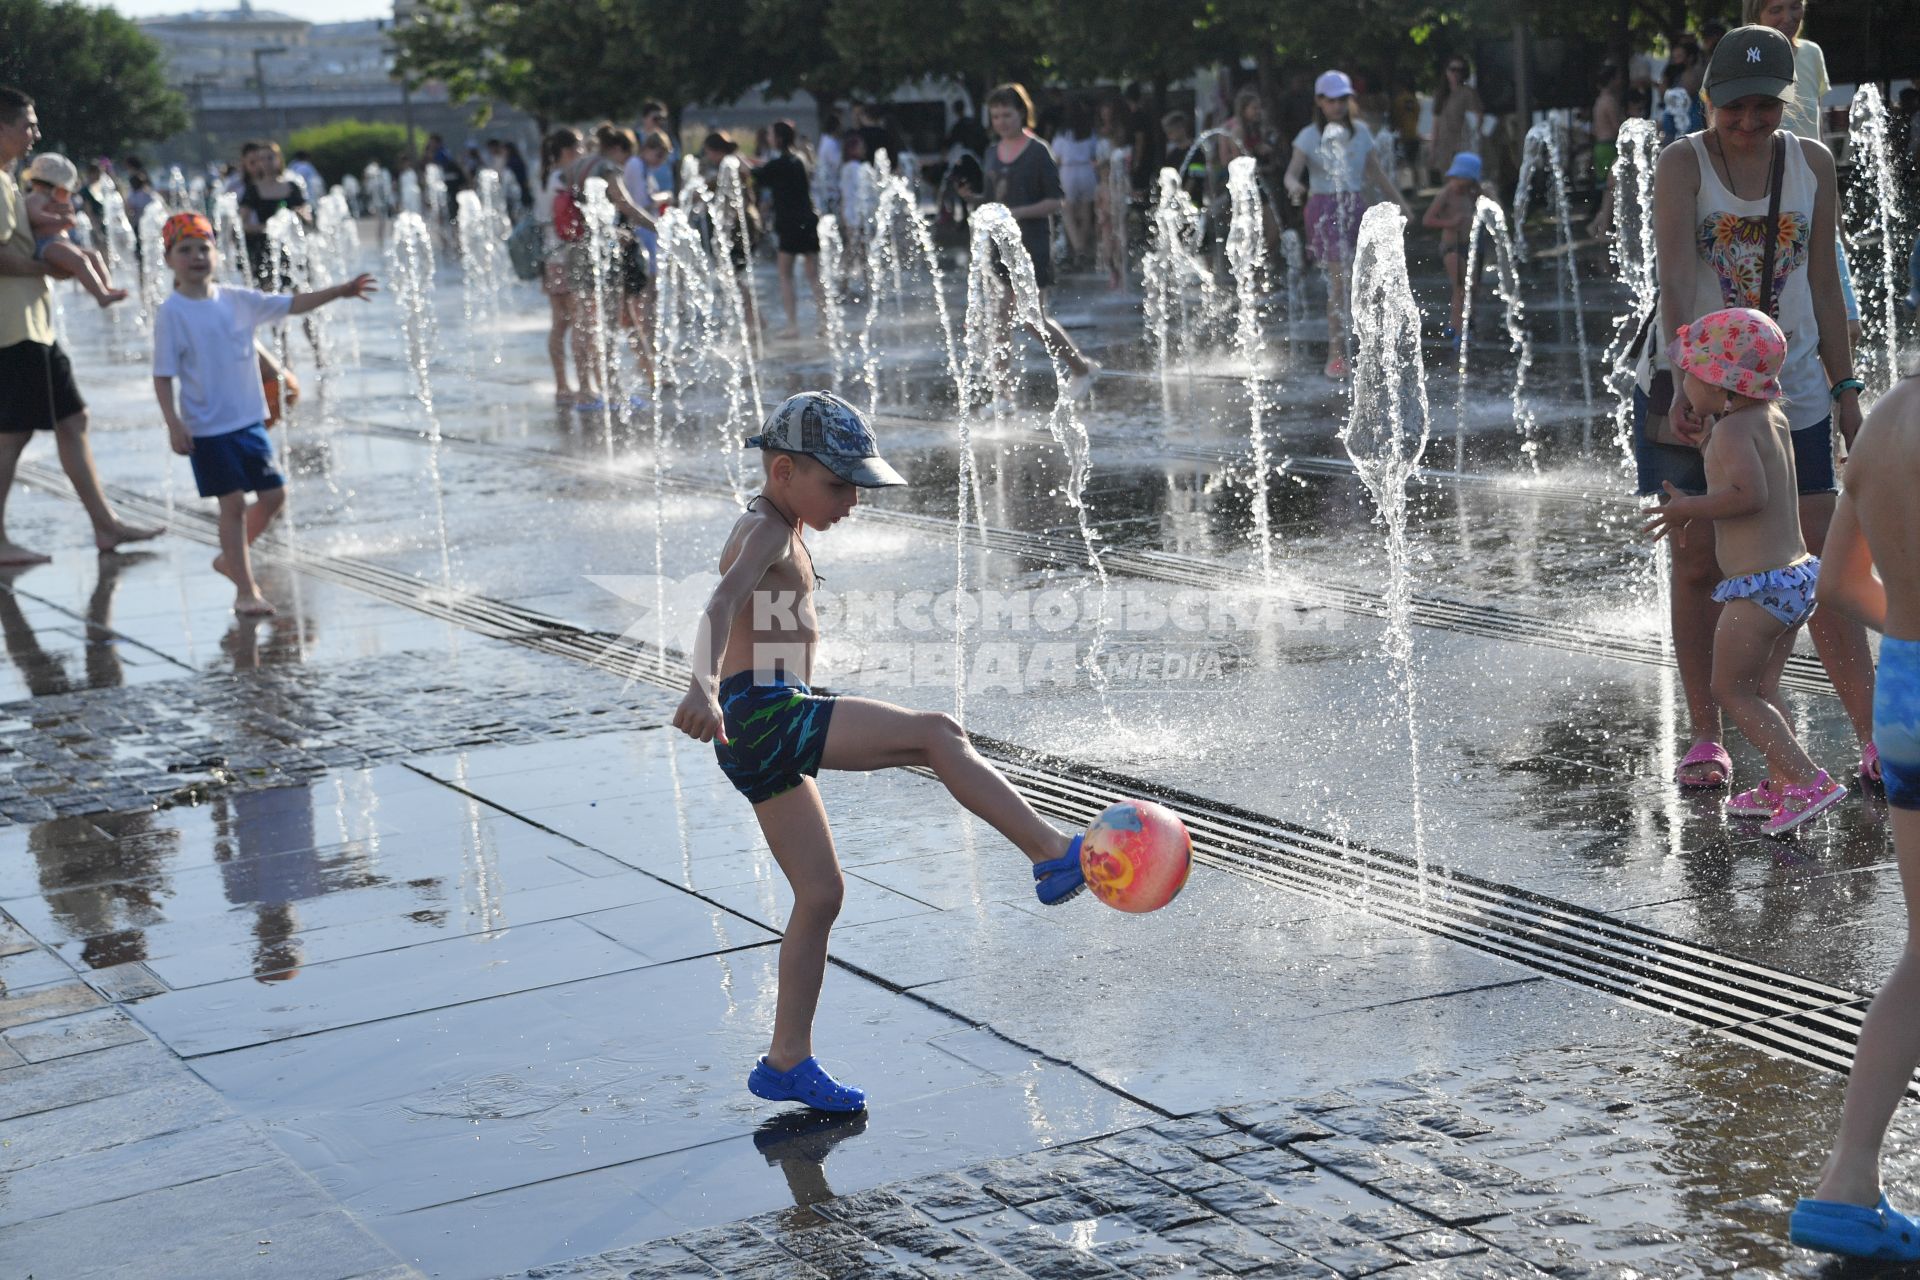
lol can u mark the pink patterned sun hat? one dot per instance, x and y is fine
(1739, 349)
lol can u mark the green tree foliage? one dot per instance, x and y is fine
(586, 59)
(345, 147)
(97, 81)
(554, 59)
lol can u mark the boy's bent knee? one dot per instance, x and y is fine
(821, 898)
(942, 730)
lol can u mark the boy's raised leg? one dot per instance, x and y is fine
(865, 734)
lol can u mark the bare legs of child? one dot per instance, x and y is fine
(864, 735)
(1750, 650)
(86, 266)
(241, 524)
(1889, 1047)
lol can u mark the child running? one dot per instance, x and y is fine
(52, 180)
(1452, 212)
(203, 335)
(1873, 533)
(749, 696)
(1730, 359)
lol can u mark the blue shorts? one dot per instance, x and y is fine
(1896, 720)
(1687, 469)
(236, 462)
(776, 733)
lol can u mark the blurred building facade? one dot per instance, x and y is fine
(251, 72)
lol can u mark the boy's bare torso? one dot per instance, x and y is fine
(1769, 538)
(777, 629)
(1883, 475)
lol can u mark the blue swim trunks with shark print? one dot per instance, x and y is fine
(776, 733)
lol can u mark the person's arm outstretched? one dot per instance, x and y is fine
(698, 715)
(1737, 487)
(358, 287)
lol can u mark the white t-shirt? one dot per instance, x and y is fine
(1322, 178)
(208, 345)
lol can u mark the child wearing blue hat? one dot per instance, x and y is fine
(1452, 214)
(749, 696)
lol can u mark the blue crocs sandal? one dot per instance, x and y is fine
(1882, 1233)
(807, 1081)
(1059, 879)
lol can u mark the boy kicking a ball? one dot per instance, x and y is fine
(203, 336)
(749, 696)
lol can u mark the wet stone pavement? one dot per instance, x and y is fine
(358, 943)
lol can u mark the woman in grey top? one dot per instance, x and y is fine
(1021, 174)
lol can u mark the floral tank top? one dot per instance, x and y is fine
(1730, 236)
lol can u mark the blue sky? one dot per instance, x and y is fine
(311, 10)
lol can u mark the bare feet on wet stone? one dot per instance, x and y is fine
(120, 533)
(12, 553)
(253, 606)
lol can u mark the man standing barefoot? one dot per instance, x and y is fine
(40, 392)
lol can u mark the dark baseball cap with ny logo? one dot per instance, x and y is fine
(1749, 61)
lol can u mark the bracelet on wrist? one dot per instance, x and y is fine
(1845, 385)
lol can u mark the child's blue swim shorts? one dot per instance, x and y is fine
(776, 733)
(1896, 720)
(235, 462)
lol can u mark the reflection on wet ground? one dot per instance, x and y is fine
(469, 953)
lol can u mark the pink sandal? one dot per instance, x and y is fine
(1799, 805)
(1706, 753)
(1760, 802)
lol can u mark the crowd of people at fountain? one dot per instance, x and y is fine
(1712, 176)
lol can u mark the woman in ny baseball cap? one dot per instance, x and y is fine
(1716, 233)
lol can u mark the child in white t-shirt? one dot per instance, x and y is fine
(203, 335)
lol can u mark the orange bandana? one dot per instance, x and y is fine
(184, 226)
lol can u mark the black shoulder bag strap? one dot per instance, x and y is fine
(1779, 176)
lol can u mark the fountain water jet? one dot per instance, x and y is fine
(1182, 300)
(1634, 259)
(410, 267)
(997, 304)
(1873, 218)
(1389, 398)
(1543, 140)
(833, 326)
(1247, 255)
(1488, 219)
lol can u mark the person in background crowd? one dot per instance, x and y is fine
(558, 151)
(266, 189)
(826, 167)
(310, 180)
(879, 137)
(796, 225)
(1338, 159)
(1022, 176)
(1456, 114)
(1073, 152)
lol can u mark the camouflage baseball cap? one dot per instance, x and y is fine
(832, 433)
